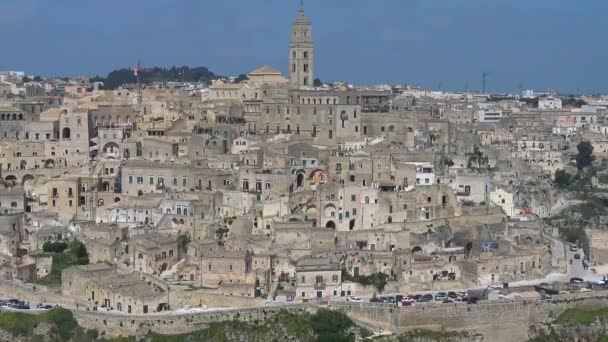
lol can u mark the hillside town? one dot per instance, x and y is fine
(271, 188)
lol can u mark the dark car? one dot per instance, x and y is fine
(399, 298)
(576, 280)
(375, 300)
(452, 295)
(418, 297)
(426, 298)
(577, 256)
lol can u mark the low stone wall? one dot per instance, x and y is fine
(200, 298)
(501, 320)
(40, 295)
(127, 325)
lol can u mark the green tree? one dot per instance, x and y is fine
(562, 179)
(585, 156)
(317, 83)
(54, 246)
(241, 78)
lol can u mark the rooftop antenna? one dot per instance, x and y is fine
(138, 76)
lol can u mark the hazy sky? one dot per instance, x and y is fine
(540, 44)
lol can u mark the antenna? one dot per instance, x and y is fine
(138, 75)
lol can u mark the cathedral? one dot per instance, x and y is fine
(269, 103)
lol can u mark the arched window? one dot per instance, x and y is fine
(366, 199)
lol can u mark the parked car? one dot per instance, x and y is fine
(354, 299)
(441, 296)
(407, 302)
(427, 298)
(577, 256)
(452, 295)
(576, 280)
(573, 248)
(399, 298)
(375, 300)
(290, 298)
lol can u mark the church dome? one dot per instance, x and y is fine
(265, 70)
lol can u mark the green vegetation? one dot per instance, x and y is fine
(185, 241)
(64, 326)
(562, 179)
(543, 337)
(585, 157)
(378, 280)
(603, 178)
(119, 77)
(438, 336)
(324, 326)
(54, 247)
(76, 254)
(573, 101)
(576, 316)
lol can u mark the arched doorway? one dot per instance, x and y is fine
(27, 178)
(65, 133)
(299, 180)
(111, 149)
(330, 225)
(351, 224)
(417, 250)
(10, 180)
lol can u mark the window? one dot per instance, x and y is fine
(353, 198)
(130, 179)
(175, 181)
(151, 180)
(305, 54)
(184, 181)
(354, 211)
(140, 180)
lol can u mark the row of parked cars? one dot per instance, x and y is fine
(408, 300)
(16, 304)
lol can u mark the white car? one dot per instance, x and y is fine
(354, 299)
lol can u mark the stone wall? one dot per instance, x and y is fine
(113, 324)
(200, 298)
(40, 295)
(500, 321)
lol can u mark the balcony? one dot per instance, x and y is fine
(319, 285)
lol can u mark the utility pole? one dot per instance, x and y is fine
(484, 78)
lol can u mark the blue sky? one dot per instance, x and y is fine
(540, 44)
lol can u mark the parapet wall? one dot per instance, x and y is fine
(127, 325)
(501, 320)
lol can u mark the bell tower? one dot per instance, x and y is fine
(301, 52)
